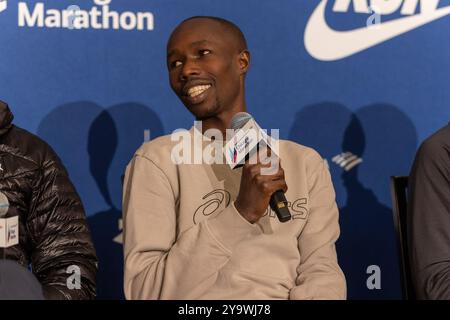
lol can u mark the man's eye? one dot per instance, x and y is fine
(204, 52)
(176, 64)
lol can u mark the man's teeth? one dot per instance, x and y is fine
(195, 91)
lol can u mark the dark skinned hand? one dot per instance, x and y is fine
(257, 186)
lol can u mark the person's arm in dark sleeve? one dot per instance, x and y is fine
(62, 242)
(429, 221)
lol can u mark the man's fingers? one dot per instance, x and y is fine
(267, 185)
(272, 170)
(279, 174)
(280, 185)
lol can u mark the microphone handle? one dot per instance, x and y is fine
(278, 203)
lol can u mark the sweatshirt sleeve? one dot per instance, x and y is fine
(159, 264)
(429, 221)
(319, 275)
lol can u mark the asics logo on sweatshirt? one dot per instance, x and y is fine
(219, 199)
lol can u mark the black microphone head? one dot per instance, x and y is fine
(18, 283)
(4, 205)
(239, 120)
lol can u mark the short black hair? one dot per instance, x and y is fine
(233, 28)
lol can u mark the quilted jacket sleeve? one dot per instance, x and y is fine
(63, 256)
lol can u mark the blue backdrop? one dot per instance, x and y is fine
(97, 87)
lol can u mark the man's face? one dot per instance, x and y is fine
(204, 67)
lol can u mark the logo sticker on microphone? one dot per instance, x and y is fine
(244, 141)
(9, 232)
(12, 233)
(233, 154)
(233, 151)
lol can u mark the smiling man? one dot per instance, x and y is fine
(211, 84)
(204, 231)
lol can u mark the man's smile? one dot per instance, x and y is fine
(195, 93)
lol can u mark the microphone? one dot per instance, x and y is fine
(9, 227)
(248, 138)
(16, 282)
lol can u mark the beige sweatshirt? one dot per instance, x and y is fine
(184, 239)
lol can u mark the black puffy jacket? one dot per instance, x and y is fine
(53, 231)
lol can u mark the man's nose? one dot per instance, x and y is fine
(190, 68)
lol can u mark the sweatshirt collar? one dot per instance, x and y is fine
(207, 136)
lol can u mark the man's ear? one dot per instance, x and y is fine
(244, 61)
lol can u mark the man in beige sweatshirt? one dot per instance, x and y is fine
(205, 231)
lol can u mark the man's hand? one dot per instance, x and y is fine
(257, 186)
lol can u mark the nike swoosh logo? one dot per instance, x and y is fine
(3, 6)
(326, 44)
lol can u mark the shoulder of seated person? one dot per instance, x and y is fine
(294, 149)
